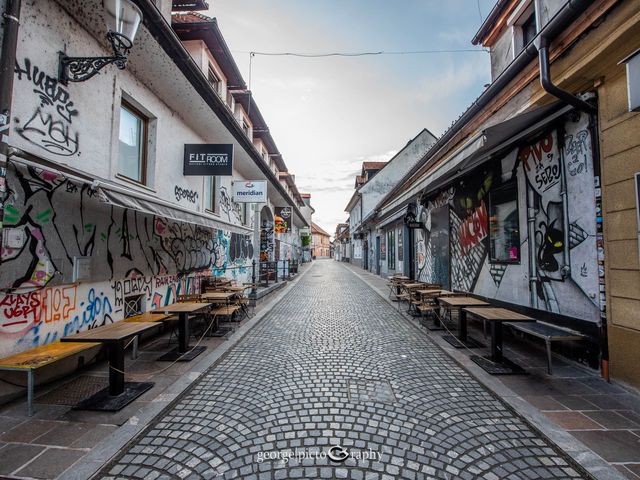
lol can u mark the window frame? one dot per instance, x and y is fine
(391, 249)
(501, 193)
(210, 179)
(144, 138)
(217, 82)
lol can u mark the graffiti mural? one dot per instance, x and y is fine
(51, 124)
(51, 220)
(560, 239)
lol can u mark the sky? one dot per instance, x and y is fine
(328, 115)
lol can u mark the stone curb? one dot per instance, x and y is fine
(102, 453)
(581, 454)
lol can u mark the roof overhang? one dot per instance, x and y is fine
(490, 143)
(210, 34)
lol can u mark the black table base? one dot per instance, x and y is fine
(220, 332)
(104, 402)
(469, 342)
(506, 367)
(190, 354)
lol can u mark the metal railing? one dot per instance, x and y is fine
(264, 273)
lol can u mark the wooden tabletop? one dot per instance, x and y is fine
(498, 314)
(236, 289)
(185, 307)
(461, 301)
(432, 291)
(413, 285)
(218, 295)
(147, 317)
(110, 332)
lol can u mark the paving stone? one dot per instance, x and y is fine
(14, 455)
(333, 363)
(51, 463)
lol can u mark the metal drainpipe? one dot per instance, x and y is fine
(11, 18)
(541, 42)
(533, 264)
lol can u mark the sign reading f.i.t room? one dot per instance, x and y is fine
(208, 159)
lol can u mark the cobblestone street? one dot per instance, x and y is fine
(335, 364)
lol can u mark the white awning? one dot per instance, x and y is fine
(122, 197)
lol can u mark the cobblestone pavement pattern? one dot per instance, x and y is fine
(332, 364)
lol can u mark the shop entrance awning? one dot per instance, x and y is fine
(500, 137)
(123, 197)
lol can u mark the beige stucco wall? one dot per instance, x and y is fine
(620, 151)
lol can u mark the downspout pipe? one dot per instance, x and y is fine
(542, 44)
(11, 20)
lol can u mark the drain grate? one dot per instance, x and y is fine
(371, 391)
(74, 391)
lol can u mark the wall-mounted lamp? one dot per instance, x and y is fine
(122, 18)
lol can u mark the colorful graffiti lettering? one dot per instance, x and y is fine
(473, 229)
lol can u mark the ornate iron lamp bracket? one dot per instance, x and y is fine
(79, 69)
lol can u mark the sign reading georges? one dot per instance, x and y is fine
(250, 191)
(208, 159)
(283, 219)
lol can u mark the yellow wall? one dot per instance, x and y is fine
(620, 159)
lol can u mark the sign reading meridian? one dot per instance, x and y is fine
(208, 159)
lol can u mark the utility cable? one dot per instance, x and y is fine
(356, 54)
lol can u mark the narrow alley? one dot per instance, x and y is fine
(335, 383)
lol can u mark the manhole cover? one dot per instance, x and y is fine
(371, 391)
(75, 391)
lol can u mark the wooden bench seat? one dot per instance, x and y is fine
(549, 333)
(226, 310)
(30, 360)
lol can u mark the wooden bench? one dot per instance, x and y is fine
(145, 317)
(30, 360)
(549, 333)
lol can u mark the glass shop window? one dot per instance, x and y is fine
(504, 234)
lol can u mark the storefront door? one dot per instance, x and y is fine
(440, 243)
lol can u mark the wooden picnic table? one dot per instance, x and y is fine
(496, 363)
(118, 393)
(460, 303)
(218, 295)
(184, 310)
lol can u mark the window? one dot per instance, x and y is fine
(245, 128)
(391, 250)
(528, 30)
(210, 194)
(132, 145)
(504, 235)
(214, 80)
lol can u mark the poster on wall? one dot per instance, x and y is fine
(383, 247)
(305, 232)
(250, 191)
(208, 159)
(400, 249)
(283, 217)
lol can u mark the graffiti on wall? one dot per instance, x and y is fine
(184, 193)
(231, 209)
(562, 240)
(51, 124)
(50, 220)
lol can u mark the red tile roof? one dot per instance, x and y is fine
(373, 165)
(316, 229)
(190, 17)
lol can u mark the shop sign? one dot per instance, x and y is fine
(283, 219)
(250, 191)
(211, 159)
